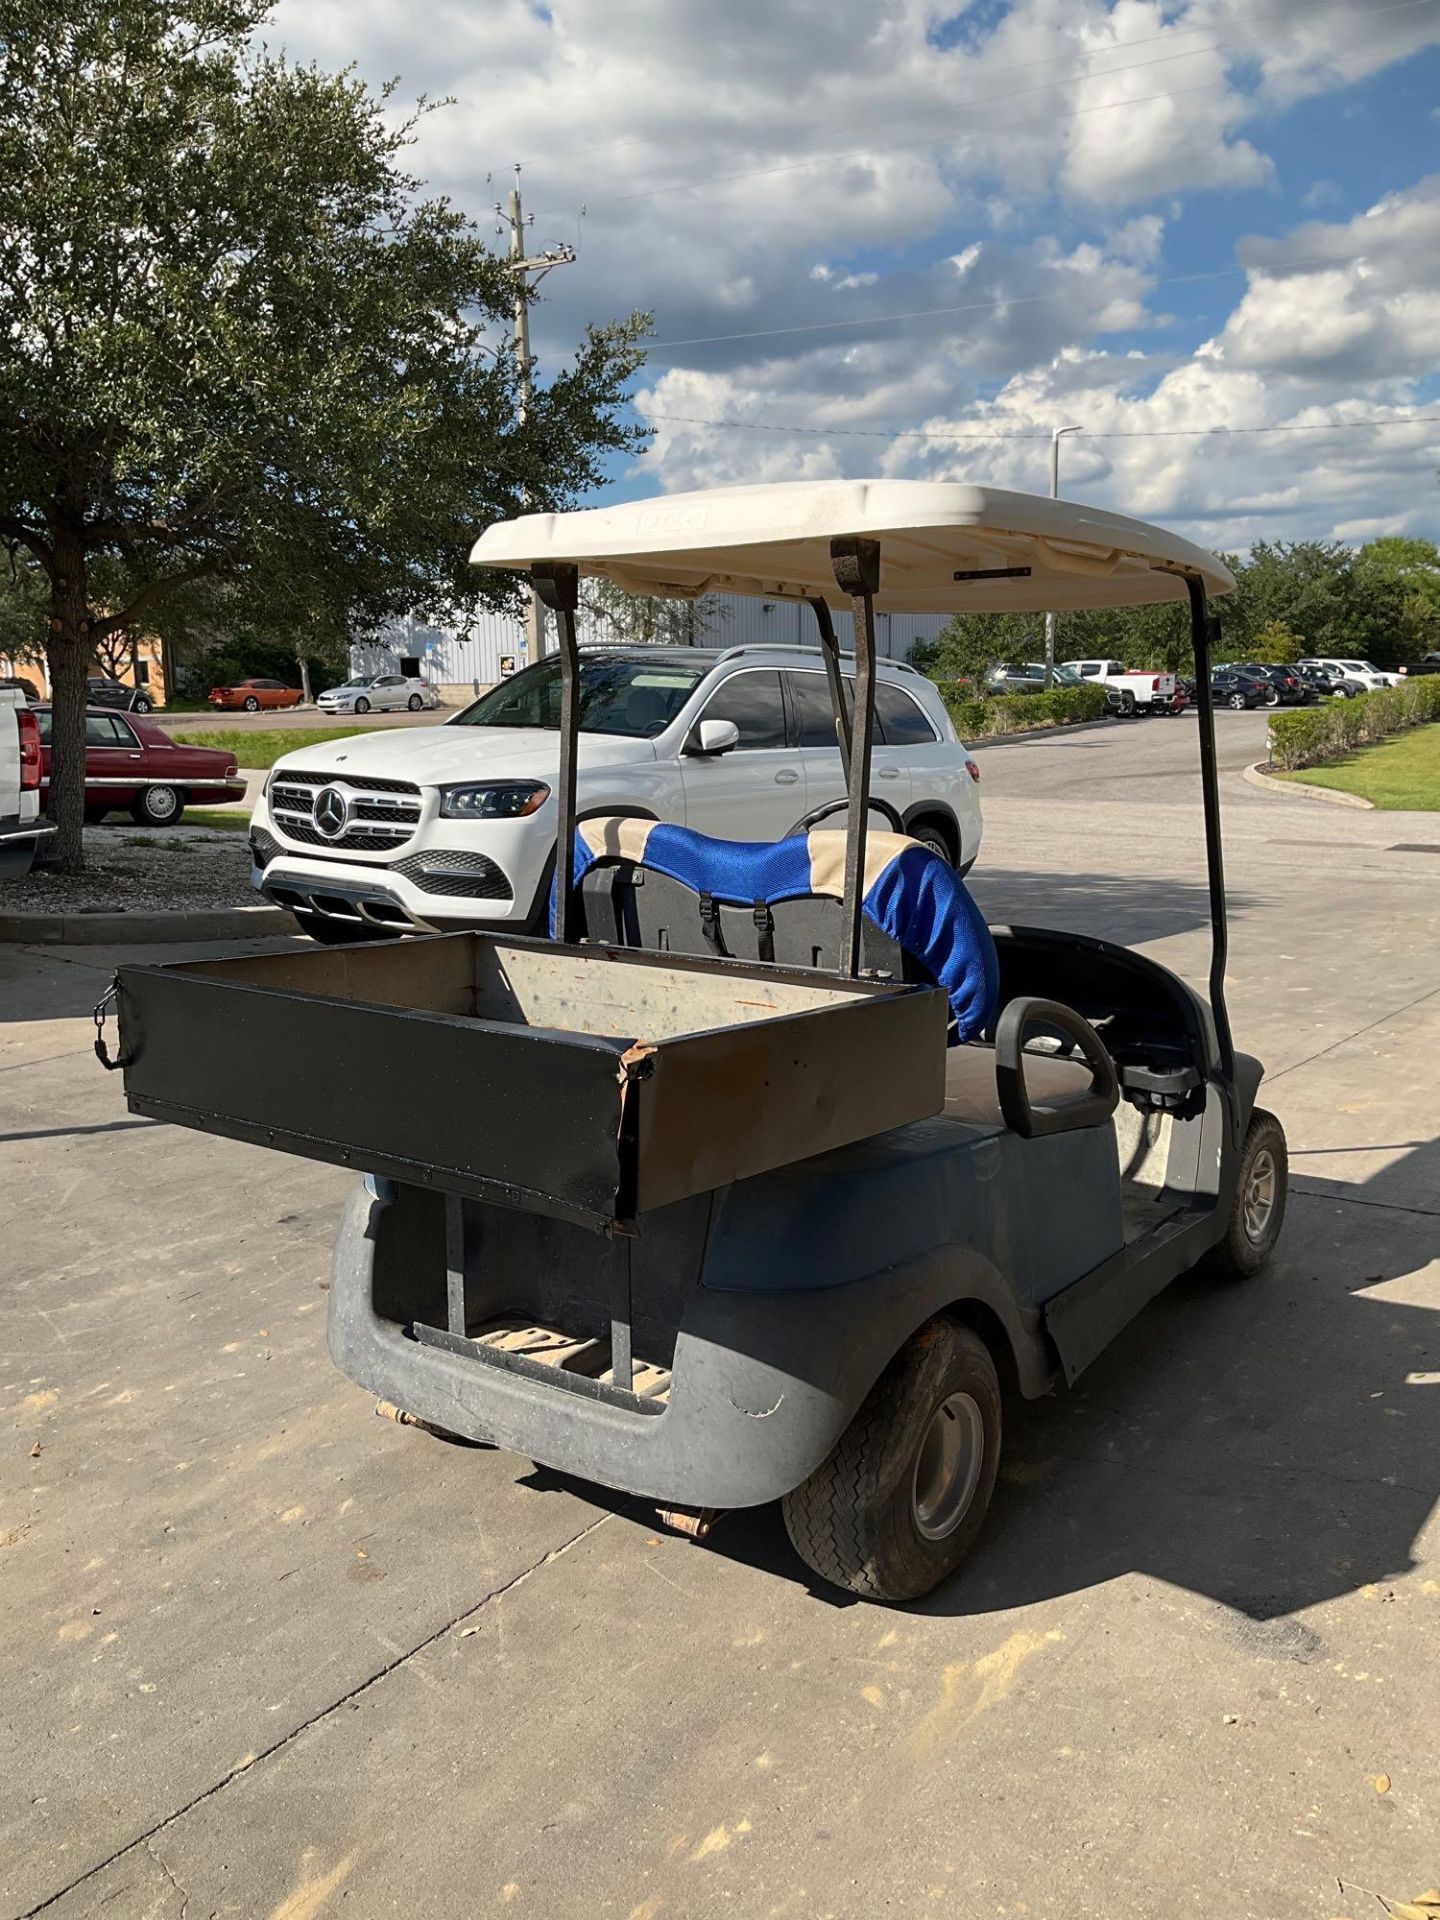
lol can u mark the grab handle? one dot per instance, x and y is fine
(1034, 1121)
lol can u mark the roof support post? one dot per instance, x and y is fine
(839, 700)
(1203, 627)
(558, 585)
(857, 572)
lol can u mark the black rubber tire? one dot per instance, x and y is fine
(935, 838)
(336, 933)
(1127, 704)
(252, 705)
(1236, 702)
(414, 703)
(362, 705)
(143, 705)
(171, 810)
(1238, 1255)
(853, 1521)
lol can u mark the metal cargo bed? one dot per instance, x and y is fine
(589, 1082)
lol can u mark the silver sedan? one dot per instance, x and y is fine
(382, 692)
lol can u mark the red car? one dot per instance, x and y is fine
(132, 763)
(251, 695)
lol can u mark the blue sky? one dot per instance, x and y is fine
(1006, 204)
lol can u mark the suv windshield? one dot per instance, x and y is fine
(635, 697)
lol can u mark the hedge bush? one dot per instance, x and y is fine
(976, 715)
(1309, 735)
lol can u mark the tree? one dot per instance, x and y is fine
(1274, 645)
(968, 646)
(238, 345)
(643, 619)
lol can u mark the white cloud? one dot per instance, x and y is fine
(767, 171)
(1299, 351)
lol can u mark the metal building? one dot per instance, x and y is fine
(495, 645)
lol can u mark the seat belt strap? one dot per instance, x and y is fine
(710, 925)
(764, 930)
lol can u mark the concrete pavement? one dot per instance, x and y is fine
(268, 1655)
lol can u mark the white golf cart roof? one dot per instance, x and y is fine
(774, 542)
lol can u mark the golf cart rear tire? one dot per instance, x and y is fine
(1243, 1252)
(855, 1520)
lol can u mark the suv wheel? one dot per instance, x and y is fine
(934, 838)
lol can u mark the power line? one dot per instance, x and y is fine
(977, 100)
(1113, 433)
(986, 306)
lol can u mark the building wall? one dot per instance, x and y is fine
(143, 667)
(465, 666)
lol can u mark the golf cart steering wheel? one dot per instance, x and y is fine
(817, 814)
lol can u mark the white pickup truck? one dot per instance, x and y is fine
(21, 826)
(1143, 691)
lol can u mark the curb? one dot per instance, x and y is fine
(1041, 733)
(134, 929)
(1257, 777)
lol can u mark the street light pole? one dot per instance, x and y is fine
(1054, 495)
(525, 271)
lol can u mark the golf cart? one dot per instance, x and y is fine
(764, 1174)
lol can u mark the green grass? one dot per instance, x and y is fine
(265, 746)
(223, 819)
(1402, 774)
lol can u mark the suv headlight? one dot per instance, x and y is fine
(495, 800)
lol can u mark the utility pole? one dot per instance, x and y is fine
(524, 269)
(1054, 495)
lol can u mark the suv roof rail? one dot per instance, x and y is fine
(799, 646)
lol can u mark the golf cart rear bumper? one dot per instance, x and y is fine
(762, 1384)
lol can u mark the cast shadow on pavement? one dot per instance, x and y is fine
(1269, 1445)
(1122, 908)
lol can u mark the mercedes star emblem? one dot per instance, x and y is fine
(332, 810)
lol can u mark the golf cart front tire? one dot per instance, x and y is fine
(1257, 1211)
(879, 1517)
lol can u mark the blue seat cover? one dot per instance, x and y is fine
(911, 893)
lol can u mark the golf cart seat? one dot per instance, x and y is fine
(643, 883)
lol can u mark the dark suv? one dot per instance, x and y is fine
(101, 691)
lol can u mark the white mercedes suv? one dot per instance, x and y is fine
(435, 828)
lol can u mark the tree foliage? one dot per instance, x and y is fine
(643, 619)
(239, 345)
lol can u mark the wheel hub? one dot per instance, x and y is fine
(1259, 1202)
(947, 1466)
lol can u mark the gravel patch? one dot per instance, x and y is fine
(142, 870)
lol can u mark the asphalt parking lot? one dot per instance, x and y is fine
(269, 1655)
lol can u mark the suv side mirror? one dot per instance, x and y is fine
(712, 738)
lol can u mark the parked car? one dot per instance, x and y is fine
(1326, 685)
(385, 692)
(133, 764)
(1070, 677)
(18, 683)
(1291, 689)
(249, 696)
(409, 829)
(102, 691)
(1142, 691)
(1237, 687)
(1427, 663)
(1360, 673)
(23, 828)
